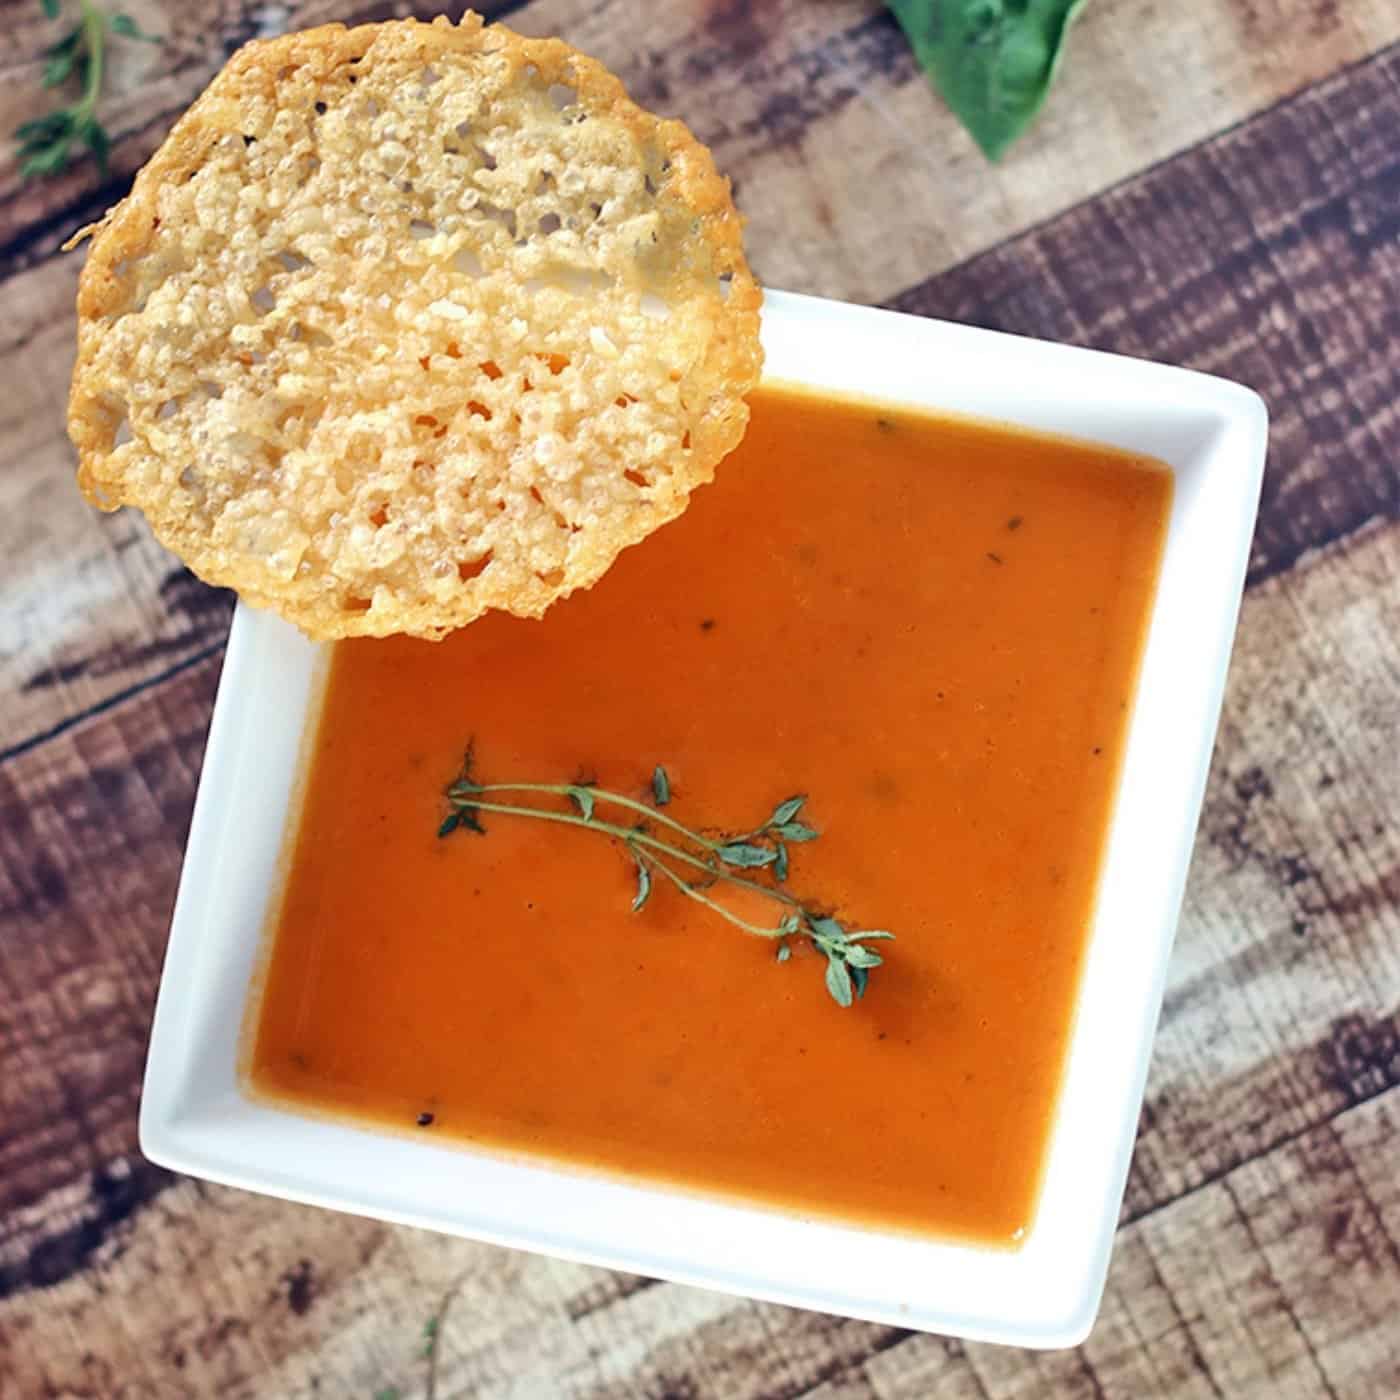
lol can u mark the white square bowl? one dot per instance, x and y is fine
(195, 1117)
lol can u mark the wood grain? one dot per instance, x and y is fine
(1271, 256)
(1283, 1005)
(1258, 1254)
(798, 100)
(92, 828)
(1269, 1041)
(1235, 258)
(92, 605)
(1279, 1281)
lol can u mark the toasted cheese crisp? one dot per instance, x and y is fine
(411, 321)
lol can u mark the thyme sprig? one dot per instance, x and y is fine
(45, 143)
(694, 863)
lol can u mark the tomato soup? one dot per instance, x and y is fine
(930, 627)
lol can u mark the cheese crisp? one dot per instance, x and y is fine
(408, 322)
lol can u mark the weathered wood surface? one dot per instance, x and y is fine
(1220, 188)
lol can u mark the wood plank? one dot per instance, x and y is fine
(1280, 1281)
(147, 87)
(1293, 297)
(1267, 1034)
(798, 101)
(1258, 1256)
(803, 102)
(93, 605)
(92, 830)
(1272, 256)
(1283, 1004)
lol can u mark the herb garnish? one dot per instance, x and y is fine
(690, 861)
(993, 60)
(45, 142)
(430, 1336)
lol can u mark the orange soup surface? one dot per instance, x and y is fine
(932, 628)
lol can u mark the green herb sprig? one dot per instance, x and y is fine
(46, 143)
(692, 862)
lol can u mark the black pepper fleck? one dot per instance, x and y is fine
(425, 1120)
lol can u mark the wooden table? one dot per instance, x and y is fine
(1214, 184)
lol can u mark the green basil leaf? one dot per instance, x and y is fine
(786, 811)
(859, 977)
(583, 800)
(992, 60)
(784, 952)
(856, 956)
(780, 865)
(50, 8)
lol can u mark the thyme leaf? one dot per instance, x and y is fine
(795, 831)
(747, 855)
(660, 786)
(838, 982)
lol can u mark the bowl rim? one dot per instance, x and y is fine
(193, 1118)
